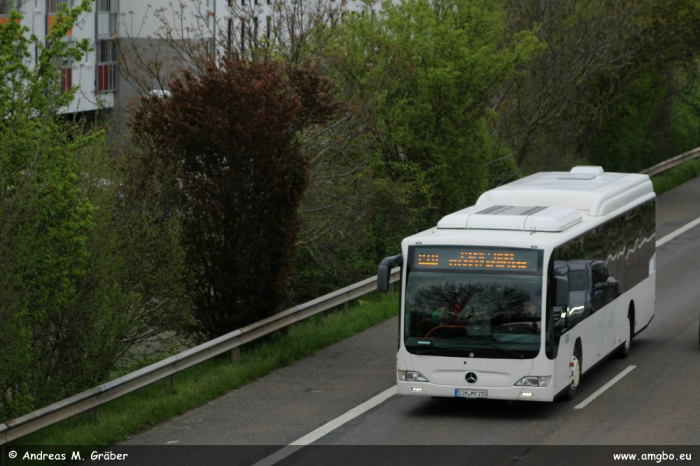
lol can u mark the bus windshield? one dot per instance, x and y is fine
(473, 313)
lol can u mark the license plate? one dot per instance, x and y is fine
(471, 393)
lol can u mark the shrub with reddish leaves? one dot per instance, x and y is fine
(228, 138)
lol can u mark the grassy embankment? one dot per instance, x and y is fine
(676, 176)
(194, 387)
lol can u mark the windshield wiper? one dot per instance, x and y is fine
(420, 349)
(505, 350)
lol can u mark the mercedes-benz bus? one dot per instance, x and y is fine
(518, 296)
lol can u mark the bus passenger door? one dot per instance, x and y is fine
(593, 347)
(605, 291)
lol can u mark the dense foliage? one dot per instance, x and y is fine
(456, 97)
(432, 69)
(85, 274)
(605, 86)
(43, 221)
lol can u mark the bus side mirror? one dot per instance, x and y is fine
(562, 296)
(384, 272)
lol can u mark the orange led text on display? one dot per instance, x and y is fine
(428, 259)
(490, 260)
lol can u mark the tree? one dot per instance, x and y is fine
(43, 219)
(87, 272)
(599, 92)
(431, 68)
(228, 137)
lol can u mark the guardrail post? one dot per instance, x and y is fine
(92, 414)
(345, 307)
(391, 288)
(170, 383)
(235, 354)
(2, 454)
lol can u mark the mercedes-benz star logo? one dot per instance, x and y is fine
(471, 377)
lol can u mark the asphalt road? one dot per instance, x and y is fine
(657, 403)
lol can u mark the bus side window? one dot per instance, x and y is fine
(605, 287)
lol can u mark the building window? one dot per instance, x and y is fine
(108, 5)
(66, 79)
(6, 6)
(52, 7)
(66, 71)
(107, 16)
(106, 66)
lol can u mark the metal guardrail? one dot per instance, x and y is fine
(91, 399)
(670, 163)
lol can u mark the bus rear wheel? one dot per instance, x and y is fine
(575, 365)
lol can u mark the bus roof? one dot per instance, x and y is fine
(552, 201)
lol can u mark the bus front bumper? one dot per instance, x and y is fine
(473, 392)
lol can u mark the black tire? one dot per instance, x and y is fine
(625, 349)
(570, 392)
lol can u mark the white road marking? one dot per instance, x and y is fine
(680, 231)
(604, 387)
(325, 429)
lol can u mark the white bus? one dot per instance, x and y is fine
(517, 296)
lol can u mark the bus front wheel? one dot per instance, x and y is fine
(624, 350)
(575, 366)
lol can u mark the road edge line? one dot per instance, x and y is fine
(327, 428)
(602, 389)
(678, 232)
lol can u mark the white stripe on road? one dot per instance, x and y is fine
(325, 429)
(604, 387)
(680, 231)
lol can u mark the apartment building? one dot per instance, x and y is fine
(135, 30)
(96, 74)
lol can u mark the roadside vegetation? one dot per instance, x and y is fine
(676, 176)
(286, 165)
(193, 387)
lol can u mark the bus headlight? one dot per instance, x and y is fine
(411, 376)
(534, 381)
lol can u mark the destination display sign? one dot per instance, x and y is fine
(476, 258)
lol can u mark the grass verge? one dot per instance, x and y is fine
(676, 176)
(151, 405)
